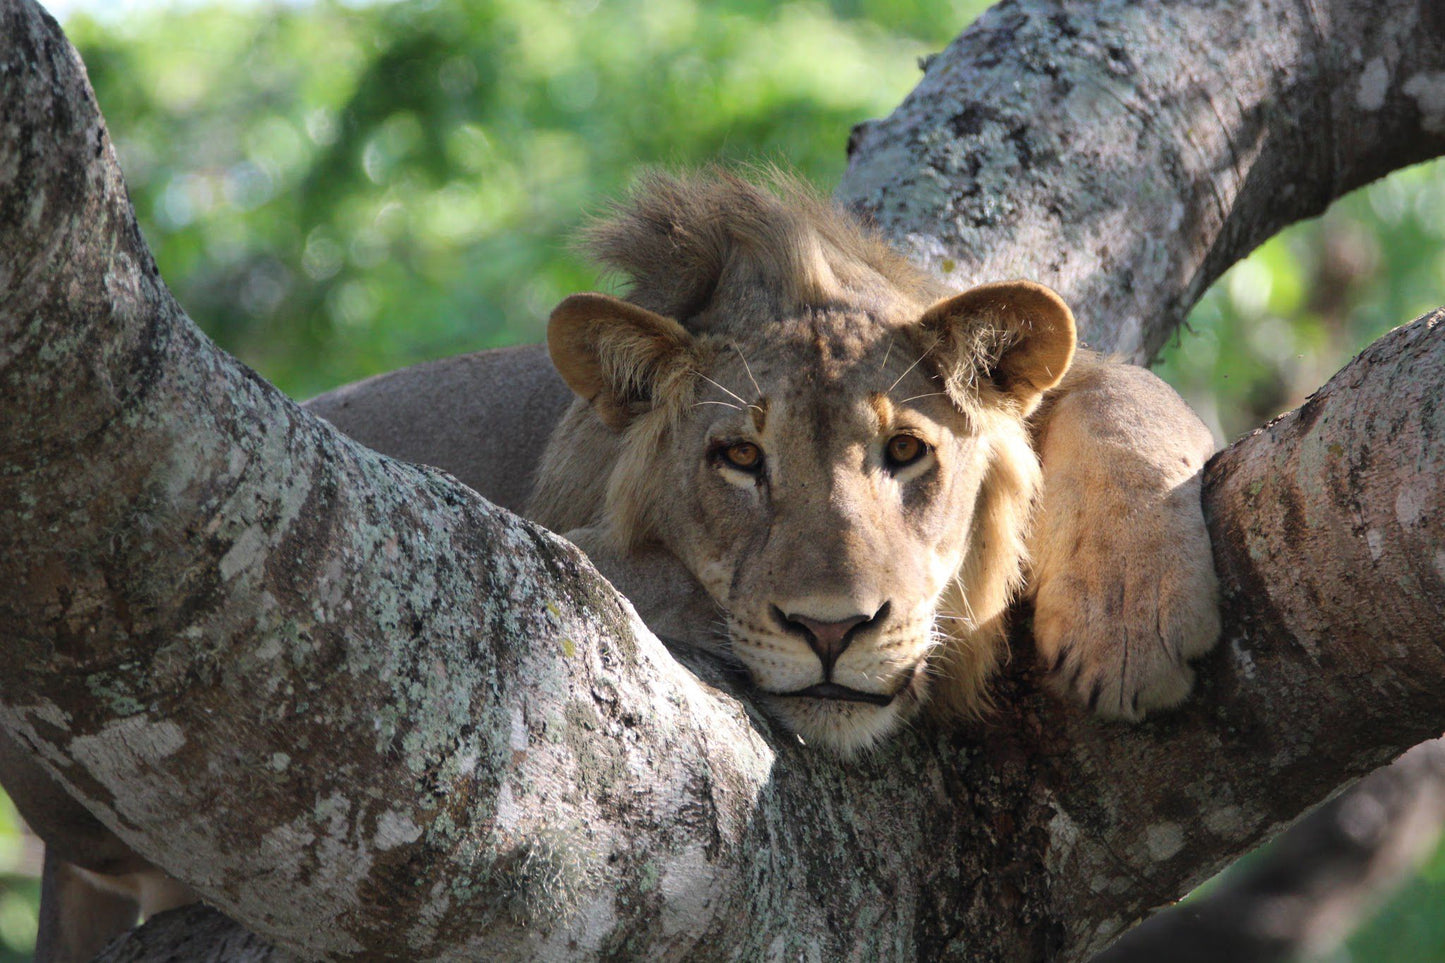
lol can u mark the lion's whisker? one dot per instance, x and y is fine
(749, 369)
(739, 398)
(969, 617)
(905, 372)
(955, 618)
(727, 404)
(930, 394)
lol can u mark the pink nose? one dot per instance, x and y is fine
(827, 639)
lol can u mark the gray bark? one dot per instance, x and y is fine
(193, 934)
(1306, 894)
(1126, 153)
(366, 713)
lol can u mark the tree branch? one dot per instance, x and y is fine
(1305, 894)
(368, 714)
(277, 661)
(1125, 154)
(196, 934)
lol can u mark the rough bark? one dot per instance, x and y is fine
(1303, 896)
(367, 714)
(193, 934)
(1127, 153)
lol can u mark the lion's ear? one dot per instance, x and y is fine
(620, 358)
(1016, 335)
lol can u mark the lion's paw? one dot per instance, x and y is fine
(1118, 617)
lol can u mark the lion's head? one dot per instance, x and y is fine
(833, 444)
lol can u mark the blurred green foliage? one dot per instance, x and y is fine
(1282, 321)
(19, 889)
(1408, 928)
(335, 190)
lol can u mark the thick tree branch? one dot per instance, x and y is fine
(366, 713)
(1306, 893)
(1126, 153)
(311, 672)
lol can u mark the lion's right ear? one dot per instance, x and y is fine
(621, 359)
(1017, 336)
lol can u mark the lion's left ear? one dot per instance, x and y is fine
(1016, 335)
(620, 358)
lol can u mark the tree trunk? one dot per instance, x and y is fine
(367, 714)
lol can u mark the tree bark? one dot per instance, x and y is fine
(194, 934)
(1127, 153)
(1305, 894)
(367, 714)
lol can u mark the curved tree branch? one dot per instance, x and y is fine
(1126, 154)
(368, 714)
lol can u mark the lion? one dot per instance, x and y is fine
(792, 447)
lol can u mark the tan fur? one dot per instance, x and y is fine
(715, 238)
(1122, 577)
(975, 607)
(762, 315)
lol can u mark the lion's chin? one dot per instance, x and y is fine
(845, 721)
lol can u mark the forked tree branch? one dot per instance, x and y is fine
(368, 714)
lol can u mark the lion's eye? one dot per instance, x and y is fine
(903, 450)
(744, 456)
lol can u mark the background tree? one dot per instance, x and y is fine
(327, 258)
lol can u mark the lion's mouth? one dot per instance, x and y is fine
(832, 690)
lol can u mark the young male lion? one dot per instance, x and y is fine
(791, 445)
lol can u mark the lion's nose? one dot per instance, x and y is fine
(828, 639)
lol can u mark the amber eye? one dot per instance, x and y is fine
(903, 450)
(744, 456)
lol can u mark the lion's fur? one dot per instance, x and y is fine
(685, 242)
(974, 609)
(726, 259)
